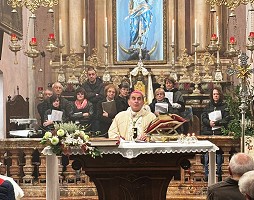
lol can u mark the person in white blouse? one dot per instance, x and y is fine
(131, 124)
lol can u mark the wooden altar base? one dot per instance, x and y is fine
(144, 177)
(176, 191)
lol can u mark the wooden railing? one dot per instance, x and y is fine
(23, 161)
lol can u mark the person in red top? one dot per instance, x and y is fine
(82, 108)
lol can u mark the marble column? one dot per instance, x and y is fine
(52, 183)
(249, 29)
(100, 6)
(31, 71)
(171, 16)
(75, 25)
(64, 16)
(181, 25)
(201, 13)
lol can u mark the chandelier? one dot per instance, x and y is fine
(231, 4)
(32, 5)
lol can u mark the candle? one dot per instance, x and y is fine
(217, 27)
(195, 31)
(60, 32)
(51, 36)
(140, 29)
(251, 35)
(40, 89)
(13, 36)
(232, 40)
(84, 31)
(33, 41)
(173, 31)
(214, 36)
(106, 30)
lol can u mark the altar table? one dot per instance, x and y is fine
(132, 170)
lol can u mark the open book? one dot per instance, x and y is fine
(215, 116)
(166, 123)
(109, 107)
(56, 116)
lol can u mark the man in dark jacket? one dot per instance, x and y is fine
(94, 88)
(66, 105)
(228, 189)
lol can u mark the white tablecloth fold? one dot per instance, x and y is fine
(132, 149)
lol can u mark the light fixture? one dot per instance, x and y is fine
(32, 5)
(14, 46)
(231, 4)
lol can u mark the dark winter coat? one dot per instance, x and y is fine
(212, 106)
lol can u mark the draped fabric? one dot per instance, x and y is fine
(140, 20)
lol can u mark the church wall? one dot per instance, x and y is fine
(13, 75)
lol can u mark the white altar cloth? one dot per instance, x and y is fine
(23, 121)
(131, 150)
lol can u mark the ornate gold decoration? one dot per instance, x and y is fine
(106, 75)
(32, 52)
(14, 47)
(160, 79)
(141, 87)
(185, 61)
(32, 5)
(94, 60)
(231, 4)
(116, 79)
(117, 45)
(196, 75)
(207, 60)
(243, 72)
(73, 62)
(51, 47)
(250, 45)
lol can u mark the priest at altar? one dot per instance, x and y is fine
(130, 124)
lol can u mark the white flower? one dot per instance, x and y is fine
(47, 135)
(86, 137)
(54, 140)
(60, 132)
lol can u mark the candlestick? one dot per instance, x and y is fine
(106, 30)
(140, 29)
(13, 36)
(251, 35)
(195, 32)
(173, 31)
(217, 27)
(232, 40)
(51, 36)
(84, 31)
(214, 36)
(33, 41)
(60, 32)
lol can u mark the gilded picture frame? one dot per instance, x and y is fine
(128, 16)
(11, 22)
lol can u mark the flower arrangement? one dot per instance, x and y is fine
(67, 136)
